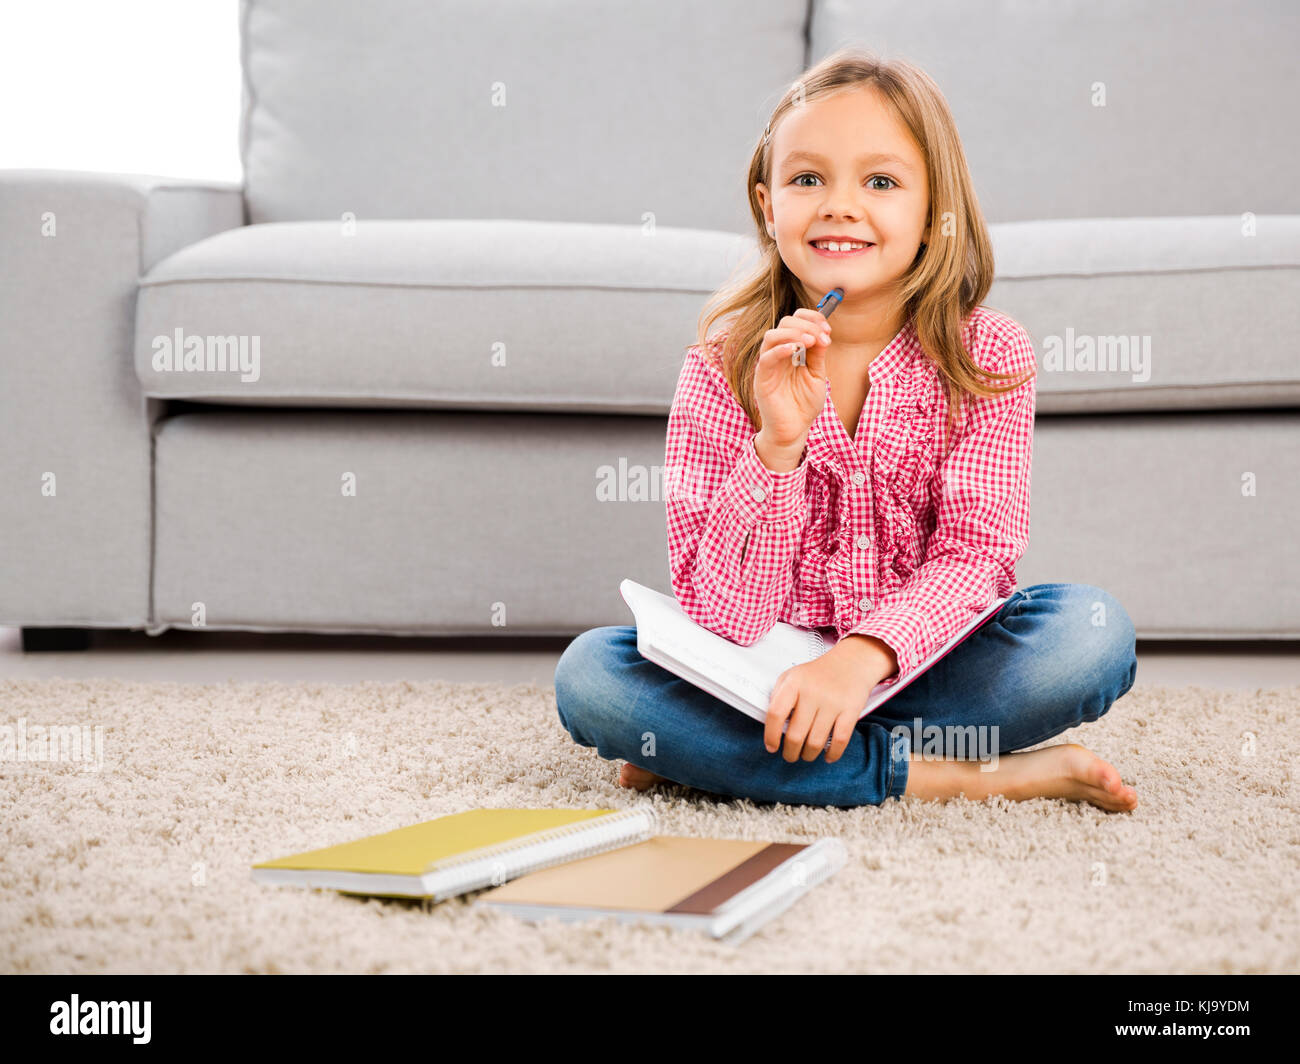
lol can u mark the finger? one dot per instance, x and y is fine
(816, 359)
(803, 352)
(844, 725)
(816, 317)
(815, 320)
(806, 336)
(809, 328)
(801, 348)
(782, 702)
(784, 343)
(799, 353)
(800, 721)
(820, 731)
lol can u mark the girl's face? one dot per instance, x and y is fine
(843, 166)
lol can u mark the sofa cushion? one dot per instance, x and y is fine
(569, 110)
(1155, 313)
(524, 524)
(505, 314)
(554, 316)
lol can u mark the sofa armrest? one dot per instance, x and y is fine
(75, 477)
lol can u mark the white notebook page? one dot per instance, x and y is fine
(741, 676)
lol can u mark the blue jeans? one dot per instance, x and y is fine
(1054, 656)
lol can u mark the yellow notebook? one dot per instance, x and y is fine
(461, 852)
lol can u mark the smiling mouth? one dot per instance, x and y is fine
(848, 250)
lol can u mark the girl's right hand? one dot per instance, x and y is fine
(790, 396)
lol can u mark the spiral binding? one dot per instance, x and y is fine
(816, 643)
(503, 861)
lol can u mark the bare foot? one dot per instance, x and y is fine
(634, 776)
(1067, 771)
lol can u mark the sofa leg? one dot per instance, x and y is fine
(36, 639)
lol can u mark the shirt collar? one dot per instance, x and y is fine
(897, 353)
(900, 351)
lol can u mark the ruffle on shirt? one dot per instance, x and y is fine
(903, 466)
(821, 540)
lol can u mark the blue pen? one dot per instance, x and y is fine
(830, 301)
(834, 297)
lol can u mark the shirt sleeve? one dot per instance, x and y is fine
(981, 530)
(734, 526)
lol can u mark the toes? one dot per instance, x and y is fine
(1113, 802)
(1100, 774)
(1100, 797)
(1105, 776)
(631, 775)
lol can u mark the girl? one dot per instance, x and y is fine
(867, 480)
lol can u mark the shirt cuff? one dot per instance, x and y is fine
(905, 633)
(759, 494)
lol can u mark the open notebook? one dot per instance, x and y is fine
(461, 852)
(742, 676)
(725, 887)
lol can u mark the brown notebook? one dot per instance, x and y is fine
(728, 887)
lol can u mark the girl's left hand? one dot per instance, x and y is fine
(820, 697)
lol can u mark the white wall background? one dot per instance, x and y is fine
(124, 86)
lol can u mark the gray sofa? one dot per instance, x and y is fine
(469, 251)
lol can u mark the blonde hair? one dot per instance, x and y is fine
(947, 280)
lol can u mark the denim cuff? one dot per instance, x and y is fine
(900, 747)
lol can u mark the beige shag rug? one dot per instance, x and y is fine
(143, 865)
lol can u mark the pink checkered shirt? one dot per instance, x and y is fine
(872, 535)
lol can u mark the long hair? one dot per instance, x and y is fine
(950, 276)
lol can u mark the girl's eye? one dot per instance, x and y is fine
(874, 177)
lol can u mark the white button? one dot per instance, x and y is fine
(864, 604)
(858, 478)
(864, 541)
(759, 494)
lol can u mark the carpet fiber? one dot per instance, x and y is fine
(143, 865)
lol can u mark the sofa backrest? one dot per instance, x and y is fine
(1103, 108)
(584, 110)
(563, 110)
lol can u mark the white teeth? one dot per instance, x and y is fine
(833, 246)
